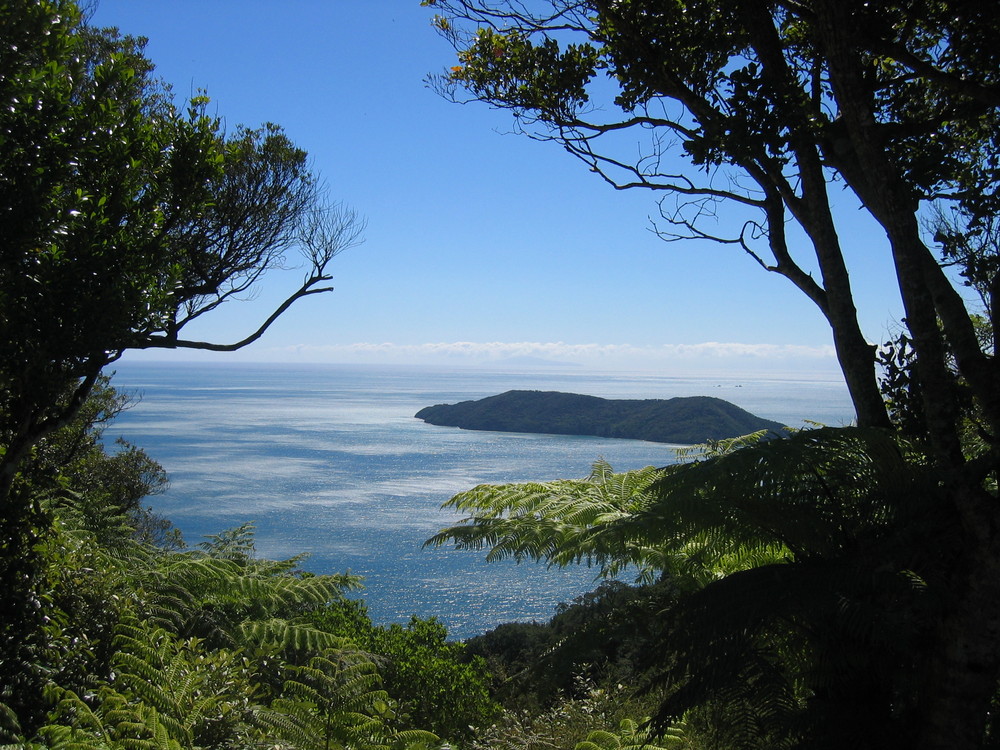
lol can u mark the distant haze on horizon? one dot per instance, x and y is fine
(713, 359)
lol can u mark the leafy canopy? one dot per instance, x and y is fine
(126, 216)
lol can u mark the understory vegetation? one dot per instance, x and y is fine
(132, 639)
(753, 620)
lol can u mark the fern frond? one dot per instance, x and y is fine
(10, 726)
(600, 740)
(218, 592)
(76, 712)
(335, 699)
(716, 448)
(634, 736)
(237, 544)
(551, 521)
(760, 504)
(809, 494)
(289, 635)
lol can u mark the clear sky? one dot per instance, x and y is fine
(481, 245)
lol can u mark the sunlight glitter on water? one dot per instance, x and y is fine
(330, 461)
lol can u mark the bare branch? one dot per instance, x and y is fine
(322, 234)
(167, 342)
(924, 69)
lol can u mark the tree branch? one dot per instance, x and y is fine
(171, 342)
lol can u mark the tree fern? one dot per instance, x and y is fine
(289, 636)
(336, 701)
(553, 521)
(631, 735)
(806, 563)
(222, 593)
(167, 694)
(821, 635)
(195, 696)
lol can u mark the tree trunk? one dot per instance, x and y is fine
(811, 210)
(28, 430)
(961, 673)
(963, 661)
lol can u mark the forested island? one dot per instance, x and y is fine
(684, 420)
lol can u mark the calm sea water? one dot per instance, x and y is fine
(329, 460)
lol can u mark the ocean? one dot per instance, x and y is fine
(329, 460)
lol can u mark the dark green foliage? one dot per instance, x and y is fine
(511, 651)
(75, 468)
(120, 643)
(25, 635)
(801, 582)
(901, 387)
(826, 645)
(126, 216)
(438, 684)
(56, 600)
(678, 420)
(589, 712)
(605, 636)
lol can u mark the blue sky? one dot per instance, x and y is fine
(481, 245)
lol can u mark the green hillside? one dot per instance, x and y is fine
(677, 420)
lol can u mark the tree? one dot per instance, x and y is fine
(74, 467)
(768, 103)
(197, 640)
(126, 218)
(603, 636)
(435, 683)
(799, 580)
